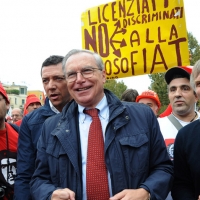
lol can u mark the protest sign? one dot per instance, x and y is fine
(136, 37)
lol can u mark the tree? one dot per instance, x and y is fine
(12, 91)
(116, 87)
(158, 83)
(194, 48)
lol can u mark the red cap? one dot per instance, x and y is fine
(150, 95)
(3, 92)
(31, 99)
(184, 71)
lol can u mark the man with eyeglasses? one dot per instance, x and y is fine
(55, 86)
(16, 114)
(8, 149)
(130, 160)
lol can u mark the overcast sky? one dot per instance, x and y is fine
(33, 30)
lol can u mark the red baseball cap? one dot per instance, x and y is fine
(184, 71)
(3, 92)
(32, 98)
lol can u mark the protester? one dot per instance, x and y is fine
(16, 114)
(151, 99)
(129, 95)
(8, 149)
(32, 103)
(182, 100)
(136, 163)
(186, 153)
(55, 86)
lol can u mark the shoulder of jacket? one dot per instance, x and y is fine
(53, 118)
(14, 126)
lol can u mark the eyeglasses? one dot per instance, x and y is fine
(15, 115)
(85, 72)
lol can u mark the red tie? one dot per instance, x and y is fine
(96, 172)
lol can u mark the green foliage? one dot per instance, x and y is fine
(12, 91)
(162, 109)
(194, 48)
(159, 85)
(116, 87)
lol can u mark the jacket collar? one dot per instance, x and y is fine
(68, 126)
(115, 106)
(46, 109)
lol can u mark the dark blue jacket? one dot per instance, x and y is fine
(29, 133)
(186, 163)
(135, 152)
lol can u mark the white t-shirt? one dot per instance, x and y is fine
(169, 133)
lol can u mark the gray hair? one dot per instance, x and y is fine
(97, 58)
(194, 74)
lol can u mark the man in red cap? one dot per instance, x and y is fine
(182, 99)
(8, 149)
(151, 99)
(186, 153)
(32, 103)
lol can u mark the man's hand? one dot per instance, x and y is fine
(65, 194)
(130, 194)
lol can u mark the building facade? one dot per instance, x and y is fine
(17, 95)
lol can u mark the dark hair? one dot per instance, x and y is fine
(52, 60)
(129, 95)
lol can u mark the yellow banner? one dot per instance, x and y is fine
(136, 37)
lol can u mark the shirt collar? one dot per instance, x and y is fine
(53, 108)
(102, 106)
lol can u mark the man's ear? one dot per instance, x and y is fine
(104, 76)
(196, 97)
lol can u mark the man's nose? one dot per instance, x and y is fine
(52, 84)
(79, 77)
(178, 92)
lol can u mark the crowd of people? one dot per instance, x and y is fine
(85, 143)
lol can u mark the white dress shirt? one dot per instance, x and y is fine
(84, 125)
(53, 108)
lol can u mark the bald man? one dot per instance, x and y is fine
(16, 114)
